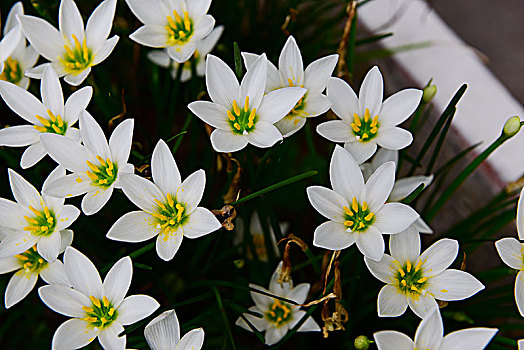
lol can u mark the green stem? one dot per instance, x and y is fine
(224, 316)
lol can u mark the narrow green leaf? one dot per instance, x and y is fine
(238, 60)
(224, 317)
(413, 194)
(440, 143)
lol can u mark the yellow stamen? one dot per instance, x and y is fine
(95, 301)
(181, 34)
(355, 127)
(105, 301)
(59, 120)
(422, 280)
(347, 211)
(31, 228)
(236, 126)
(252, 114)
(348, 223)
(366, 115)
(230, 116)
(159, 216)
(34, 210)
(356, 119)
(30, 220)
(408, 266)
(369, 217)
(109, 163)
(50, 220)
(235, 108)
(172, 23)
(177, 16)
(44, 121)
(374, 130)
(172, 222)
(69, 52)
(187, 21)
(87, 309)
(41, 261)
(160, 204)
(361, 225)
(414, 288)
(46, 212)
(85, 50)
(365, 136)
(77, 43)
(92, 166)
(44, 228)
(354, 205)
(21, 257)
(364, 206)
(91, 319)
(403, 282)
(102, 181)
(246, 104)
(402, 273)
(28, 265)
(55, 128)
(101, 160)
(290, 82)
(40, 128)
(91, 175)
(374, 122)
(111, 312)
(419, 265)
(109, 172)
(170, 200)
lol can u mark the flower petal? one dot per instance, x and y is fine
(290, 63)
(105, 50)
(379, 186)
(370, 243)
(253, 84)
(299, 293)
(201, 222)
(49, 246)
(82, 273)
(32, 155)
(152, 12)
(191, 190)
(94, 201)
(152, 35)
(120, 141)
(391, 303)
(64, 300)
(160, 58)
(227, 141)
(66, 216)
(423, 305)
(9, 264)
(394, 217)
(327, 202)
(222, 84)
(519, 292)
(12, 214)
(274, 335)
(264, 135)
(469, 339)
(117, 281)
(262, 301)
(343, 99)
(361, 151)
(333, 236)
(384, 270)
(439, 256)
(70, 20)
(18, 136)
(43, 37)
(24, 193)
(55, 273)
(520, 215)
(136, 226)
(77, 103)
(20, 284)
(371, 92)
(93, 137)
(404, 187)
(77, 79)
(100, 23)
(135, 308)
(315, 104)
(164, 169)
(168, 244)
(393, 138)
(278, 103)
(405, 245)
(430, 332)
(511, 252)
(193, 339)
(69, 186)
(51, 91)
(182, 53)
(141, 192)
(310, 325)
(335, 131)
(398, 107)
(74, 334)
(109, 338)
(211, 113)
(318, 72)
(197, 8)
(393, 340)
(163, 331)
(454, 285)
(258, 322)
(11, 20)
(65, 240)
(289, 125)
(16, 242)
(202, 29)
(65, 151)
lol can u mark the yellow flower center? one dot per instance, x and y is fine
(179, 30)
(359, 217)
(279, 313)
(102, 175)
(101, 313)
(410, 279)
(243, 120)
(77, 57)
(365, 128)
(31, 261)
(43, 222)
(12, 71)
(169, 215)
(298, 109)
(55, 124)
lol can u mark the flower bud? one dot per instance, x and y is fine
(362, 342)
(429, 92)
(512, 126)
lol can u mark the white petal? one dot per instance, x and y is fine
(405, 245)
(159, 57)
(18, 136)
(361, 151)
(66, 216)
(222, 84)
(290, 63)
(274, 335)
(454, 285)
(371, 92)
(24, 193)
(77, 78)
(511, 252)
(520, 215)
(391, 303)
(55, 273)
(164, 169)
(55, 204)
(100, 23)
(198, 8)
(335, 130)
(394, 218)
(65, 240)
(327, 202)
(253, 84)
(141, 192)
(109, 338)
(105, 50)
(82, 274)
(12, 215)
(259, 323)
(384, 269)
(404, 187)
(120, 141)
(70, 20)
(136, 226)
(299, 293)
(201, 222)
(74, 334)
(9, 264)
(182, 53)
(333, 236)
(315, 104)
(430, 332)
(43, 37)
(343, 99)
(20, 284)
(32, 155)
(211, 113)
(94, 201)
(393, 138)
(382, 156)
(262, 301)
(423, 305)
(519, 292)
(379, 186)
(118, 280)
(16, 242)
(65, 151)
(49, 246)
(290, 124)
(310, 325)
(93, 137)
(264, 135)
(318, 72)
(135, 308)
(152, 35)
(168, 244)
(398, 107)
(370, 243)
(11, 20)
(207, 44)
(191, 190)
(227, 141)
(152, 12)
(69, 186)
(193, 339)
(469, 339)
(51, 92)
(521, 344)
(393, 340)
(77, 103)
(278, 103)
(163, 331)
(64, 300)
(439, 256)
(421, 226)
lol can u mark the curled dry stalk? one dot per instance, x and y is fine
(342, 69)
(121, 115)
(339, 317)
(293, 13)
(233, 193)
(285, 273)
(226, 215)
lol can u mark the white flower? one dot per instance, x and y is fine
(511, 252)
(12, 38)
(257, 236)
(291, 72)
(521, 344)
(163, 333)
(203, 47)
(49, 116)
(402, 187)
(72, 51)
(430, 336)
(35, 219)
(366, 121)
(169, 207)
(28, 265)
(358, 212)
(96, 165)
(175, 25)
(22, 58)
(417, 280)
(278, 317)
(98, 309)
(242, 114)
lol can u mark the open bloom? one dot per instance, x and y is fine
(203, 47)
(358, 212)
(28, 265)
(34, 219)
(417, 280)
(242, 114)
(291, 72)
(175, 25)
(49, 116)
(278, 316)
(163, 333)
(511, 252)
(98, 309)
(96, 165)
(169, 206)
(22, 57)
(430, 336)
(366, 121)
(72, 51)
(402, 187)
